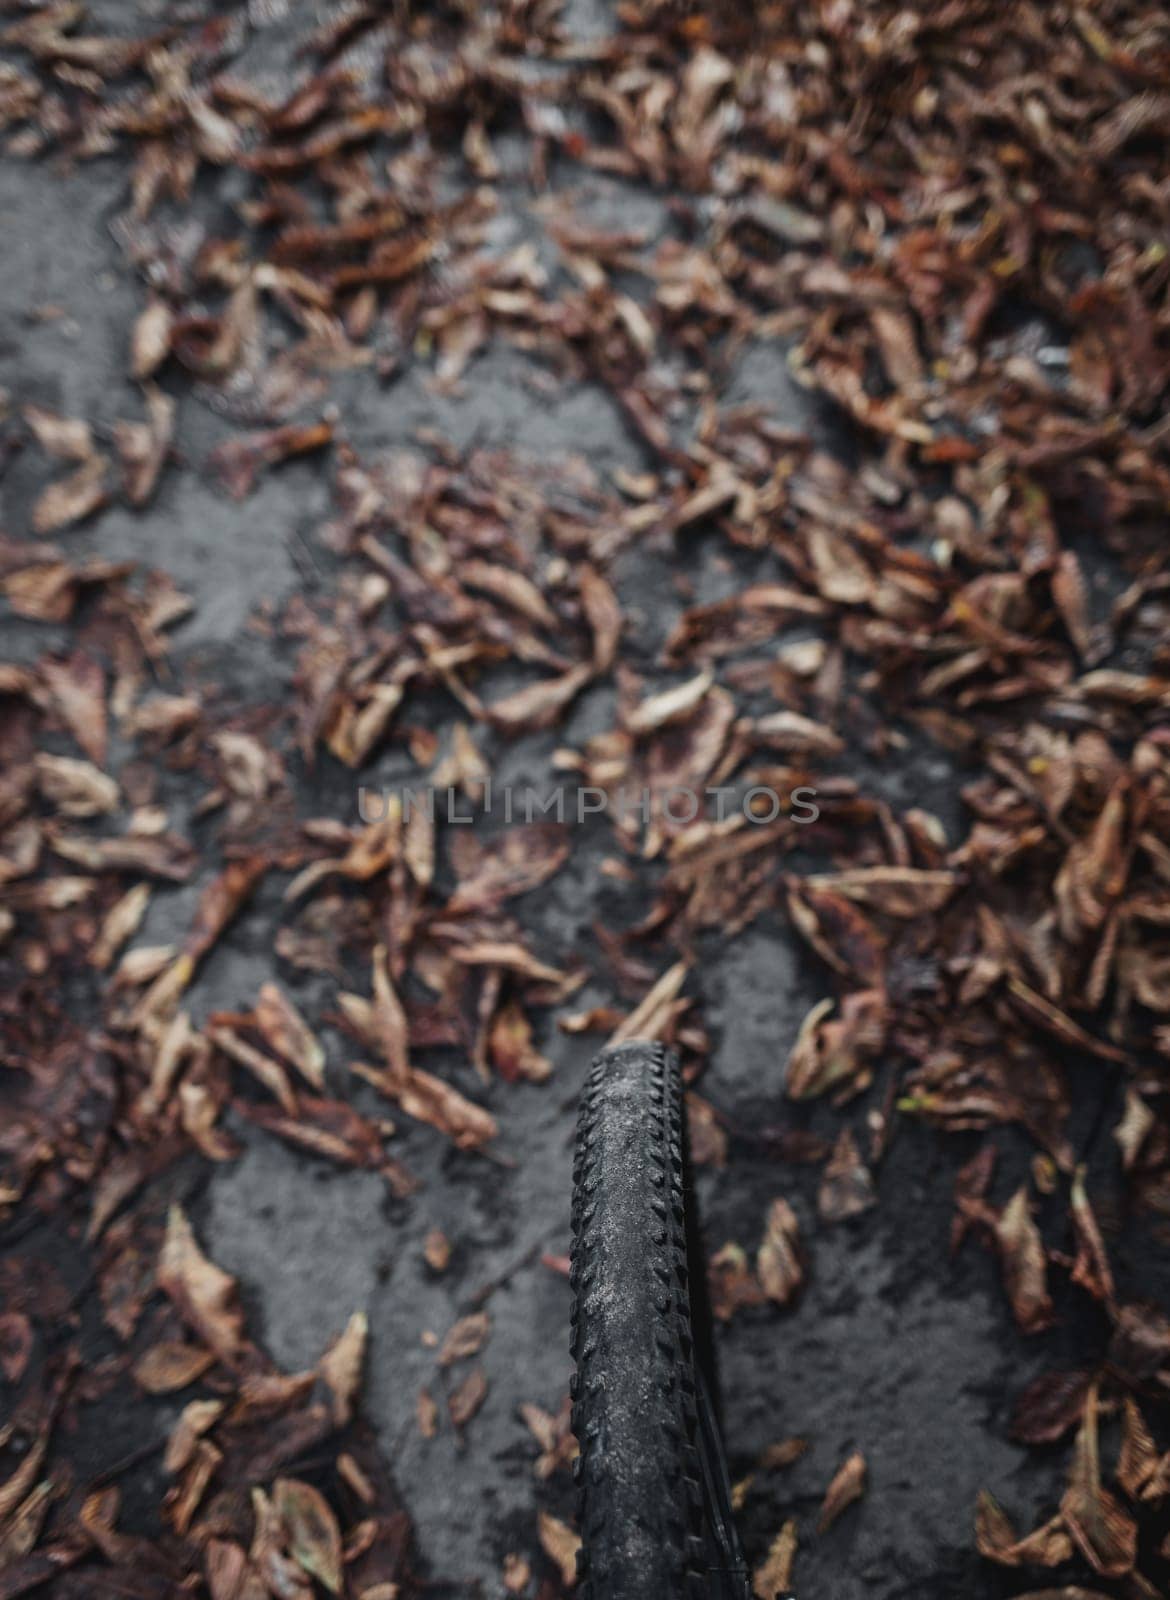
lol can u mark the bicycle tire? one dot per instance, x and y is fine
(654, 1497)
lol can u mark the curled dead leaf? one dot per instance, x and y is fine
(848, 1485)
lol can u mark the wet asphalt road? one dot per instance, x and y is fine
(894, 1349)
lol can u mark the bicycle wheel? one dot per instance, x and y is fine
(655, 1509)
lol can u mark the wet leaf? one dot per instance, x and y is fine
(314, 1540)
(70, 500)
(1050, 1407)
(287, 1032)
(63, 438)
(465, 1338)
(1091, 1268)
(1048, 1546)
(540, 704)
(774, 1576)
(671, 705)
(465, 1400)
(76, 788)
(169, 1366)
(204, 1296)
(78, 690)
(847, 1187)
(143, 447)
(1101, 1528)
(151, 340)
(779, 1263)
(1138, 1461)
(560, 1544)
(848, 1485)
(1025, 1264)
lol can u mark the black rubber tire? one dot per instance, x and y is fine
(643, 1423)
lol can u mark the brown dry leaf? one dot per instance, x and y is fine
(731, 1282)
(437, 1250)
(706, 1139)
(847, 1186)
(893, 891)
(560, 1544)
(841, 574)
(514, 958)
(834, 1054)
(195, 1419)
(76, 788)
(1101, 1527)
(1061, 1026)
(464, 1401)
(1138, 1460)
(78, 690)
(143, 447)
(1091, 1268)
(465, 1338)
(513, 1054)
(287, 1032)
(604, 613)
(264, 1068)
(773, 1578)
(20, 1532)
(1025, 1264)
(229, 1574)
(14, 1489)
(782, 1454)
(1071, 596)
(779, 1262)
(789, 731)
(848, 1485)
(1093, 873)
(512, 587)
(161, 856)
(517, 1574)
(430, 1099)
(162, 715)
(510, 863)
(238, 462)
(219, 905)
(150, 342)
(426, 1414)
(669, 706)
(554, 1435)
(314, 1540)
(63, 438)
(204, 1296)
(840, 934)
(1134, 1128)
(1047, 1546)
(1050, 1406)
(390, 1021)
(72, 499)
(43, 591)
(342, 1364)
(418, 845)
(540, 705)
(121, 923)
(651, 1019)
(199, 1112)
(170, 1365)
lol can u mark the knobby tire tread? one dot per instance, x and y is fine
(635, 1411)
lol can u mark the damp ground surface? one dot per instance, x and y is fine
(894, 1345)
